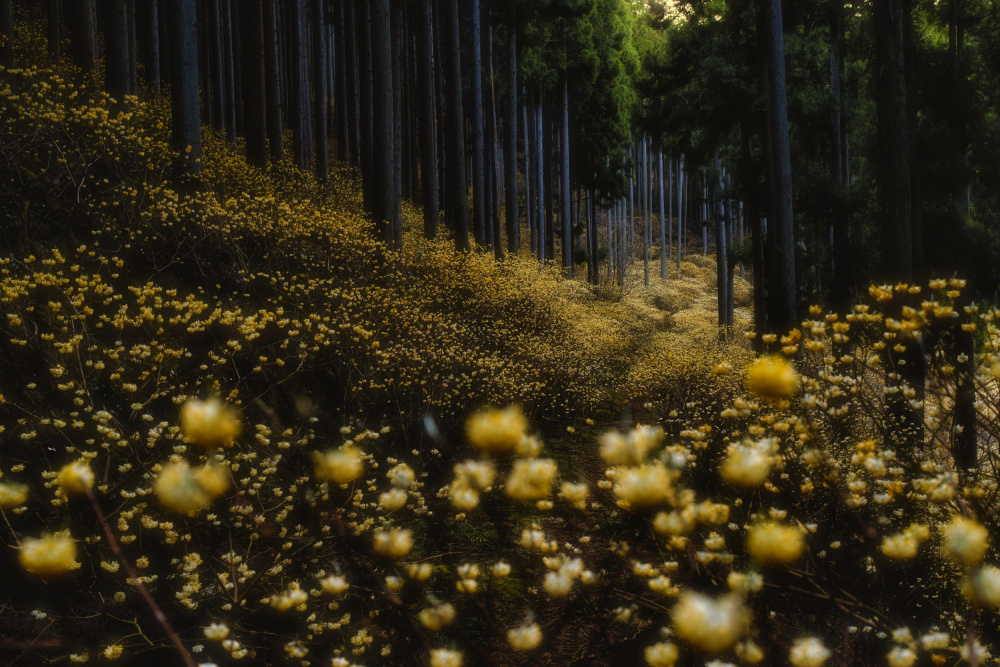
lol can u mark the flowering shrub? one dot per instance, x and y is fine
(236, 427)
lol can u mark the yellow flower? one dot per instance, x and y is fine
(901, 656)
(773, 378)
(209, 423)
(525, 637)
(620, 450)
(661, 654)
(293, 597)
(49, 556)
(339, 466)
(771, 543)
(334, 584)
(395, 543)
(443, 657)
(113, 652)
(497, 432)
(808, 652)
(710, 625)
(983, 586)
(904, 545)
(12, 495)
(644, 485)
(749, 464)
(531, 479)
(965, 541)
(76, 477)
(184, 490)
(435, 618)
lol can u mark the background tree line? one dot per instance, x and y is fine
(816, 144)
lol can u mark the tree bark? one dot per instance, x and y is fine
(383, 159)
(840, 294)
(341, 96)
(782, 226)
(366, 117)
(320, 94)
(299, 76)
(353, 74)
(228, 69)
(662, 184)
(83, 47)
(116, 54)
(185, 116)
(476, 94)
(53, 26)
(428, 125)
(7, 34)
(457, 188)
(721, 258)
(272, 77)
(510, 127)
(396, 39)
(893, 143)
(252, 64)
(149, 41)
(567, 228)
(542, 211)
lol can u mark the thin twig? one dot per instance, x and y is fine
(134, 576)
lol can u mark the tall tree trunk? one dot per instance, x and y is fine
(7, 34)
(913, 140)
(840, 294)
(510, 127)
(457, 210)
(529, 195)
(383, 159)
(396, 17)
(751, 211)
(782, 226)
(228, 68)
(366, 117)
(352, 63)
(163, 21)
(80, 14)
(149, 41)
(476, 94)
(116, 58)
(53, 26)
(548, 132)
(215, 65)
(320, 95)
(965, 448)
(238, 100)
(646, 231)
(567, 228)
(680, 211)
(722, 270)
(185, 117)
(133, 62)
(428, 126)
(542, 213)
(494, 158)
(663, 220)
(341, 96)
(252, 64)
(272, 78)
(893, 143)
(299, 76)
(486, 76)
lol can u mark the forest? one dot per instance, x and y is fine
(500, 332)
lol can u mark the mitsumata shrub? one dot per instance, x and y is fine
(237, 428)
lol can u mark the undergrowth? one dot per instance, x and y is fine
(236, 427)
